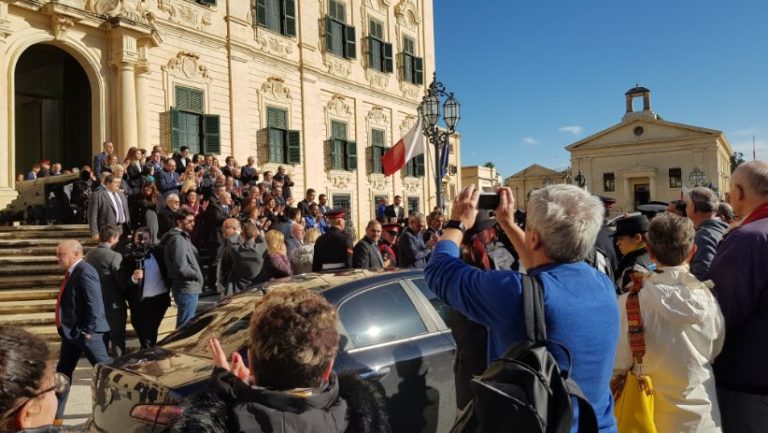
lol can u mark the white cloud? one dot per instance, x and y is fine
(752, 130)
(530, 140)
(573, 129)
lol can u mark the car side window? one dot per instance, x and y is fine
(440, 306)
(380, 315)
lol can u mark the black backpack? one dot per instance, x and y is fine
(524, 390)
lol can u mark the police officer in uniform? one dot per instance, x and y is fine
(333, 250)
(387, 244)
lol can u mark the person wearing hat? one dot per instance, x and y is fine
(333, 250)
(630, 237)
(387, 244)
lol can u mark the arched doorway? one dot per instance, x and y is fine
(52, 109)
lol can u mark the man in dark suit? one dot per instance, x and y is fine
(333, 250)
(413, 251)
(100, 160)
(108, 206)
(395, 211)
(109, 264)
(182, 159)
(249, 174)
(168, 181)
(247, 260)
(303, 205)
(366, 253)
(296, 239)
(79, 314)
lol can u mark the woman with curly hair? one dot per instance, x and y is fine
(289, 384)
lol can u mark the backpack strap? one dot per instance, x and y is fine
(533, 309)
(635, 319)
(587, 417)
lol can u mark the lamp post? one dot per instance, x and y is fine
(697, 177)
(581, 180)
(431, 112)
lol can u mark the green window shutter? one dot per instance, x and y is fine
(419, 166)
(211, 134)
(409, 170)
(289, 17)
(294, 147)
(338, 130)
(387, 59)
(418, 70)
(261, 12)
(207, 2)
(376, 153)
(407, 67)
(351, 156)
(276, 142)
(196, 101)
(350, 42)
(408, 45)
(182, 98)
(374, 53)
(277, 118)
(175, 129)
(336, 149)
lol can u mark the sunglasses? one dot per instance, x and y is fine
(60, 386)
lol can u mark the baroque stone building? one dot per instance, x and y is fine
(486, 179)
(320, 86)
(532, 177)
(645, 158)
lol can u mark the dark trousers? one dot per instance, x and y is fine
(741, 412)
(146, 317)
(115, 338)
(71, 350)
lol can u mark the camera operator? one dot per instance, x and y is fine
(109, 264)
(147, 291)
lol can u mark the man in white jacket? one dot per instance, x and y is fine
(684, 332)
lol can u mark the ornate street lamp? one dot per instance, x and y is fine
(697, 177)
(581, 180)
(437, 136)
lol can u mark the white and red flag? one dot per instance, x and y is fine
(410, 146)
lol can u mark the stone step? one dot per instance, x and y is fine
(24, 260)
(36, 243)
(51, 335)
(37, 271)
(44, 228)
(71, 234)
(28, 306)
(31, 281)
(28, 320)
(28, 294)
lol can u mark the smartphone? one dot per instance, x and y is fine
(488, 201)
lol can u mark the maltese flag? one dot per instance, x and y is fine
(408, 147)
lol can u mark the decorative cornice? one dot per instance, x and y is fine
(407, 14)
(188, 65)
(185, 13)
(341, 180)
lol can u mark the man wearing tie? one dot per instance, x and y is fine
(109, 206)
(366, 253)
(79, 314)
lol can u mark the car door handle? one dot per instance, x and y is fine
(377, 374)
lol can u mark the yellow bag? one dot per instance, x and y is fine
(634, 405)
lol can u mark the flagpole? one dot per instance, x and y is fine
(754, 152)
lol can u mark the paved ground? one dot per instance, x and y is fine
(80, 403)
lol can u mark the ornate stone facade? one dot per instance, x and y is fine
(136, 54)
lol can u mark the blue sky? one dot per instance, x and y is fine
(535, 76)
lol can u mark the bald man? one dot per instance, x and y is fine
(79, 314)
(741, 287)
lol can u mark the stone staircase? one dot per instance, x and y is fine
(30, 279)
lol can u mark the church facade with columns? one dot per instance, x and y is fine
(647, 158)
(322, 87)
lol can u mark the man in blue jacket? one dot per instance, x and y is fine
(79, 315)
(741, 286)
(579, 301)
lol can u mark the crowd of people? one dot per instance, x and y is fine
(695, 271)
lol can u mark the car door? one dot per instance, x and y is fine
(392, 338)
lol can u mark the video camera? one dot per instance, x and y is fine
(139, 249)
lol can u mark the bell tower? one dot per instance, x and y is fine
(638, 92)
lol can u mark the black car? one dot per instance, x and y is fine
(392, 330)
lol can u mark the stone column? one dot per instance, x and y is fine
(126, 118)
(142, 73)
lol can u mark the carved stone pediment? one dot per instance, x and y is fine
(377, 80)
(407, 13)
(273, 44)
(380, 183)
(338, 107)
(337, 66)
(187, 65)
(407, 124)
(186, 13)
(412, 185)
(377, 117)
(275, 89)
(342, 180)
(410, 91)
